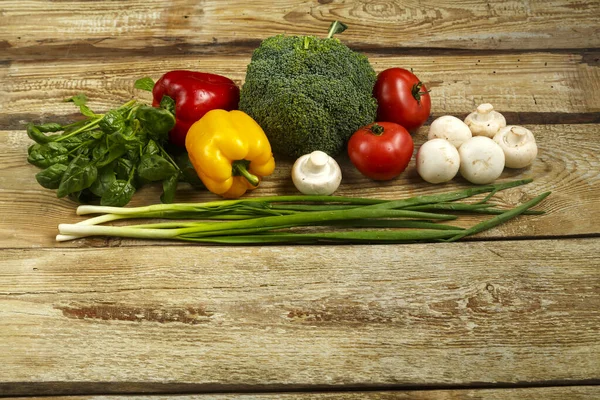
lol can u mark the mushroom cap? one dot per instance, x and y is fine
(316, 173)
(481, 160)
(437, 161)
(485, 121)
(450, 128)
(518, 144)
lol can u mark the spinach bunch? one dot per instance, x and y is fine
(107, 157)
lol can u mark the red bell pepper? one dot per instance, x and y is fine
(195, 93)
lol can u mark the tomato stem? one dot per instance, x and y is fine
(376, 129)
(417, 93)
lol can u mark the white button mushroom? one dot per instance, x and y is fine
(518, 144)
(485, 121)
(450, 128)
(316, 173)
(481, 160)
(437, 161)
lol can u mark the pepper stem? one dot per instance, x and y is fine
(240, 168)
(376, 129)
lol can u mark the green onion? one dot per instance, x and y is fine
(279, 219)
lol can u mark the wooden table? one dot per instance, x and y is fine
(512, 313)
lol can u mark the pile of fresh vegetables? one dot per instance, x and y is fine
(304, 97)
(479, 148)
(106, 156)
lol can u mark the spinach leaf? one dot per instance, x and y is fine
(118, 194)
(80, 100)
(145, 83)
(124, 168)
(153, 167)
(157, 122)
(169, 188)
(82, 196)
(151, 148)
(79, 175)
(168, 104)
(37, 136)
(132, 155)
(114, 151)
(188, 173)
(50, 127)
(106, 176)
(45, 155)
(126, 137)
(75, 126)
(90, 138)
(50, 177)
(113, 121)
(100, 151)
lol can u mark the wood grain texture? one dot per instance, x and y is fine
(295, 317)
(490, 318)
(147, 27)
(514, 83)
(546, 393)
(568, 165)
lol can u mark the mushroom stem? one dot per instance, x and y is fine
(316, 162)
(484, 112)
(516, 136)
(485, 121)
(316, 173)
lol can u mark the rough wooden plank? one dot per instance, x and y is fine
(147, 27)
(547, 393)
(268, 318)
(514, 83)
(568, 165)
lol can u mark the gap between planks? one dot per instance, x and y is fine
(89, 390)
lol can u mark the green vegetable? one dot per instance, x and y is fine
(169, 188)
(145, 83)
(106, 157)
(79, 175)
(308, 93)
(160, 119)
(276, 219)
(106, 176)
(50, 177)
(46, 154)
(153, 167)
(118, 193)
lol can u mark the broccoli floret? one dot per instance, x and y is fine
(308, 93)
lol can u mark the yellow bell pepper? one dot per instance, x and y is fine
(229, 151)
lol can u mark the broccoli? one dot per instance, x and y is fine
(308, 93)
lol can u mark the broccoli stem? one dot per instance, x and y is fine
(335, 28)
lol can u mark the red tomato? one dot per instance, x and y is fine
(381, 151)
(402, 98)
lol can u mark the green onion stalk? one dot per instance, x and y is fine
(283, 219)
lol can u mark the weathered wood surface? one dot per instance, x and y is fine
(532, 88)
(484, 319)
(568, 165)
(547, 393)
(299, 317)
(156, 27)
